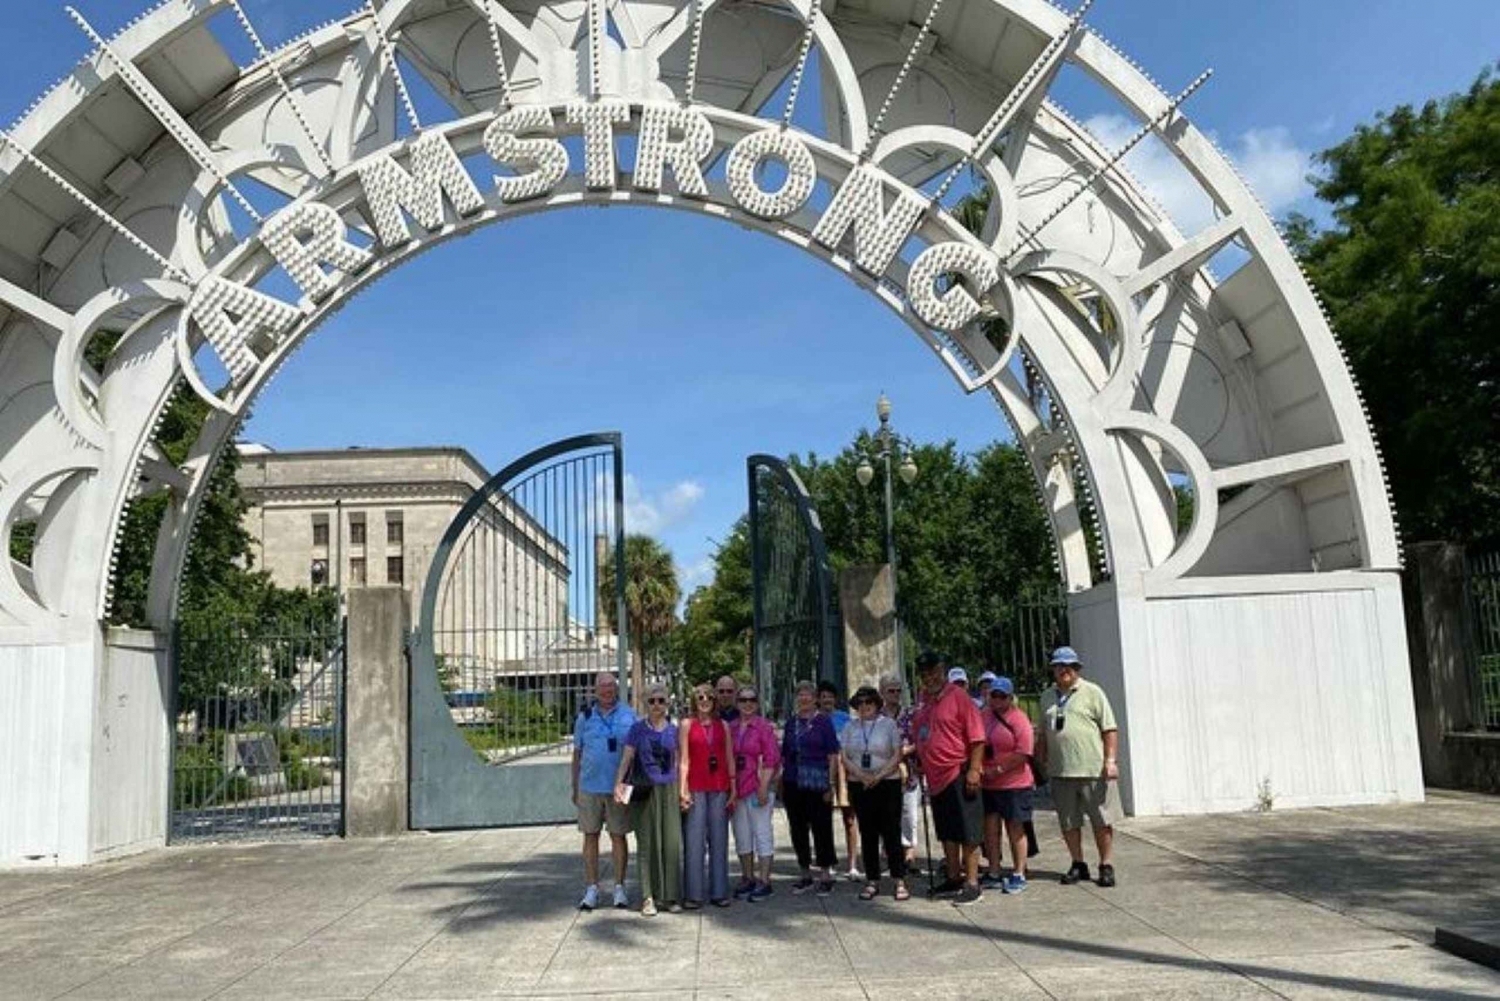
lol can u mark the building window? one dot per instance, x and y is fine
(320, 531)
(394, 568)
(356, 531)
(320, 568)
(357, 569)
(394, 534)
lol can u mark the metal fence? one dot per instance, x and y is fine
(258, 748)
(1021, 642)
(1483, 586)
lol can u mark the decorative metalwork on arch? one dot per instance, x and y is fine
(797, 628)
(126, 210)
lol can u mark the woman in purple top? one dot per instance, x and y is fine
(809, 751)
(656, 816)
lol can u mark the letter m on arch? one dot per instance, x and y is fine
(435, 171)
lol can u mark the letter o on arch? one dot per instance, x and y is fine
(745, 159)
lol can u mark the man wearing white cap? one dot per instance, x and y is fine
(1079, 751)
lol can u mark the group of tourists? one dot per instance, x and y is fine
(974, 760)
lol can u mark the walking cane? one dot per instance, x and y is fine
(926, 837)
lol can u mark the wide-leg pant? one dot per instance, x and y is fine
(657, 822)
(706, 826)
(879, 813)
(807, 813)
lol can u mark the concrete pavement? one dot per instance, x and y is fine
(1308, 904)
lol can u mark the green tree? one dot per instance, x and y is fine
(714, 638)
(651, 596)
(1410, 272)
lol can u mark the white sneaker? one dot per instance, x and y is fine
(621, 900)
(590, 899)
(648, 908)
(855, 876)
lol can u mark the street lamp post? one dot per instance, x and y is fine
(889, 446)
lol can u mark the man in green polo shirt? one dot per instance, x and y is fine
(1079, 751)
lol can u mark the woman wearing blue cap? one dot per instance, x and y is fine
(1007, 784)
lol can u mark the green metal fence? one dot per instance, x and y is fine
(258, 741)
(1483, 585)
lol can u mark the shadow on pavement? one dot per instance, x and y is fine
(542, 886)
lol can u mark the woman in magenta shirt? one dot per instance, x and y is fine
(757, 760)
(1007, 784)
(708, 784)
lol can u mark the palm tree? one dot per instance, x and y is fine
(651, 595)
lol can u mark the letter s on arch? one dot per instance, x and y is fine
(543, 159)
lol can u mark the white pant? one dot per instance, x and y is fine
(752, 828)
(911, 806)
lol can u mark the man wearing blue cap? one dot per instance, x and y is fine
(1079, 750)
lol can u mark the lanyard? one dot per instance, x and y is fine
(864, 734)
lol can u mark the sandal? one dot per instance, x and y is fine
(870, 892)
(902, 893)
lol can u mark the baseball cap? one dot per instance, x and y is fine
(989, 676)
(929, 659)
(958, 674)
(1004, 685)
(1066, 655)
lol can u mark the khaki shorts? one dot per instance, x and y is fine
(1079, 798)
(594, 809)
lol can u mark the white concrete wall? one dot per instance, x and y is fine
(1302, 682)
(132, 750)
(83, 746)
(46, 712)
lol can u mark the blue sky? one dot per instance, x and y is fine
(703, 342)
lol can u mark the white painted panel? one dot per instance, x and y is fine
(131, 751)
(45, 707)
(1305, 691)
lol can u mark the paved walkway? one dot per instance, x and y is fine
(1320, 903)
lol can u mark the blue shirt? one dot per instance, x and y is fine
(840, 719)
(594, 732)
(657, 752)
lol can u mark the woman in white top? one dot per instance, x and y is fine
(871, 764)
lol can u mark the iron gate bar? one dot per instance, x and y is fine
(547, 518)
(824, 617)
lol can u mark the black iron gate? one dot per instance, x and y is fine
(523, 606)
(258, 735)
(1482, 583)
(798, 632)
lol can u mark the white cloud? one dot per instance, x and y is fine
(1275, 167)
(654, 513)
(1270, 160)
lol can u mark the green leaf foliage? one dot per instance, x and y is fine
(1410, 273)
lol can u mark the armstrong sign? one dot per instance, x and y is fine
(409, 190)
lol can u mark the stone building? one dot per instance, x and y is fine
(349, 518)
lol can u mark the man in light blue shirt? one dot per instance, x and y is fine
(598, 738)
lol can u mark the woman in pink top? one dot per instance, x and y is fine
(757, 760)
(1007, 784)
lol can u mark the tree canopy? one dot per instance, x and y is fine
(1410, 272)
(972, 542)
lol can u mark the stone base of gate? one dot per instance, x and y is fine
(1255, 693)
(376, 715)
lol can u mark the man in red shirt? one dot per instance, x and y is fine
(949, 736)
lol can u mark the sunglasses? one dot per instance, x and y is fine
(705, 696)
(748, 698)
(999, 695)
(893, 691)
(657, 701)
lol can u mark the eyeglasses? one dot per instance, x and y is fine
(657, 701)
(893, 691)
(705, 696)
